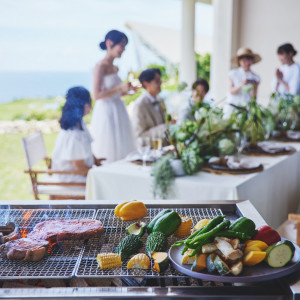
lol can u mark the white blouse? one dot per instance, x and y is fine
(291, 75)
(72, 144)
(243, 96)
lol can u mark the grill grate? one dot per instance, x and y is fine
(63, 260)
(115, 232)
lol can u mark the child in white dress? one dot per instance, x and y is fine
(73, 150)
(243, 82)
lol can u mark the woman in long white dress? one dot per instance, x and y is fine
(110, 125)
(243, 82)
(287, 77)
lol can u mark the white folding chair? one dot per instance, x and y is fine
(35, 151)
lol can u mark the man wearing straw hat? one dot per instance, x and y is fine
(243, 82)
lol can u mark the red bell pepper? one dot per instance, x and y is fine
(267, 234)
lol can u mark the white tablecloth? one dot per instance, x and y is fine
(274, 192)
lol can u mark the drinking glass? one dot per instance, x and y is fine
(240, 141)
(268, 130)
(143, 147)
(294, 124)
(157, 142)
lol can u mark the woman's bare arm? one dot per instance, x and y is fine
(235, 89)
(279, 76)
(79, 165)
(98, 92)
(281, 81)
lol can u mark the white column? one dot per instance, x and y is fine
(225, 44)
(187, 68)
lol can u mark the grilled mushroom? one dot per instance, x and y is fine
(227, 250)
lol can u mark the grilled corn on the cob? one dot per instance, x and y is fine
(108, 260)
(139, 261)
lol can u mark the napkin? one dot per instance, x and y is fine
(233, 162)
(241, 163)
(274, 148)
(151, 157)
(293, 135)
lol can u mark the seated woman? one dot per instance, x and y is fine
(243, 82)
(287, 77)
(72, 150)
(199, 93)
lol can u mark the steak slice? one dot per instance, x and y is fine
(59, 230)
(6, 238)
(26, 249)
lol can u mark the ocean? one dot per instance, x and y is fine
(16, 85)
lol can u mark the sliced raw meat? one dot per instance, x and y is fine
(26, 249)
(59, 230)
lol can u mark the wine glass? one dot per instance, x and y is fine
(143, 147)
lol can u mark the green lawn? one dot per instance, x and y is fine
(14, 184)
(41, 109)
(31, 109)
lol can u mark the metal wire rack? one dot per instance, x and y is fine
(63, 256)
(114, 232)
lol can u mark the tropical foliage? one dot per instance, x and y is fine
(203, 66)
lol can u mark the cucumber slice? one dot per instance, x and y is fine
(279, 255)
(290, 244)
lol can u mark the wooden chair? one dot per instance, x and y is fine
(35, 152)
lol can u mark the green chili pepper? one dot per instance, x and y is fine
(213, 223)
(178, 244)
(210, 225)
(210, 233)
(184, 250)
(233, 234)
(199, 246)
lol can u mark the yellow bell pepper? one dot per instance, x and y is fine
(251, 248)
(262, 245)
(131, 210)
(253, 258)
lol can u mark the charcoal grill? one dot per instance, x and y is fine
(73, 259)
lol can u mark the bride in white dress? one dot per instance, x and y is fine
(110, 125)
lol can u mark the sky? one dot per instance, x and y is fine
(63, 35)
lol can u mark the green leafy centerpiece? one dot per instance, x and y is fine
(194, 143)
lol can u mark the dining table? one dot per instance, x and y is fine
(274, 192)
